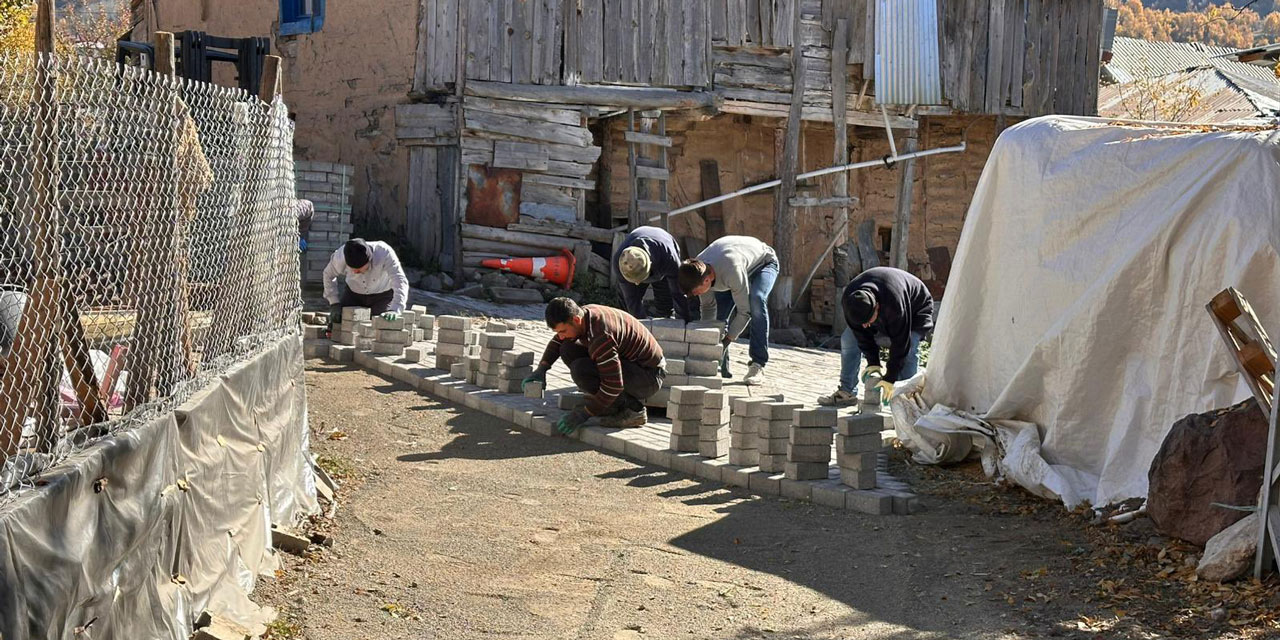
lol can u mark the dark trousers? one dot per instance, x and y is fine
(638, 382)
(378, 303)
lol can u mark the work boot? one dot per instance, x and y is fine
(626, 419)
(840, 398)
(755, 374)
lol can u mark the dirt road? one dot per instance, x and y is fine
(460, 526)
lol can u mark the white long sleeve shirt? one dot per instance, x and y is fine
(384, 273)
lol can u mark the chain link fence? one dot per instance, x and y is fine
(148, 242)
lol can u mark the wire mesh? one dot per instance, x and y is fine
(148, 242)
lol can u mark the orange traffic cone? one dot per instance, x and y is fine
(554, 269)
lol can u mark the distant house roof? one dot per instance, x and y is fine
(1225, 89)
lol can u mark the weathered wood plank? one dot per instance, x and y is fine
(770, 59)
(446, 42)
(520, 51)
(869, 41)
(753, 22)
(541, 211)
(477, 38)
(1017, 44)
(1056, 56)
(1031, 57)
(571, 72)
(768, 14)
(735, 29)
(788, 165)
(518, 127)
(532, 110)
(814, 114)
(982, 53)
(646, 138)
(559, 181)
(569, 168)
(785, 31)
(855, 12)
(537, 24)
(424, 120)
(519, 155)
(647, 54)
(591, 40)
(651, 98)
(652, 173)
(422, 215)
(627, 41)
(694, 70)
(674, 33)
(996, 24)
(546, 194)
(1051, 18)
(1090, 106)
(424, 56)
(719, 20)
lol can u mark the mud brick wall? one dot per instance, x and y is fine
(329, 187)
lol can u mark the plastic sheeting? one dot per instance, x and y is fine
(1076, 302)
(137, 535)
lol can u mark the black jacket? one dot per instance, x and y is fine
(664, 262)
(906, 307)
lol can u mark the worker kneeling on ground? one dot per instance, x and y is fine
(881, 305)
(650, 256)
(612, 358)
(734, 276)
(373, 278)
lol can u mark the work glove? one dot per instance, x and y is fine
(538, 375)
(724, 362)
(872, 373)
(571, 421)
(335, 312)
(886, 390)
(390, 316)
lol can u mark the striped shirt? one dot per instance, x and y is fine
(610, 335)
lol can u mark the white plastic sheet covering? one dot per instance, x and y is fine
(182, 521)
(1076, 301)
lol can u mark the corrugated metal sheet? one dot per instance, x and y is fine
(908, 67)
(1135, 58)
(1202, 95)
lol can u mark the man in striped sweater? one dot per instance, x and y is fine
(612, 358)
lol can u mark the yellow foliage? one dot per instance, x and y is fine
(1221, 25)
(85, 31)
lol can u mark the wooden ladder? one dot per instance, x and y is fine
(1251, 349)
(647, 161)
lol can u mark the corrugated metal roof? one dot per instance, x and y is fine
(1135, 58)
(1203, 95)
(907, 66)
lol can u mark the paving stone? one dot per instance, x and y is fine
(493, 326)
(876, 503)
(491, 369)
(518, 358)
(860, 424)
(714, 432)
(713, 448)
(451, 350)
(675, 380)
(382, 324)
(668, 334)
(684, 443)
(825, 417)
(750, 407)
(744, 440)
(364, 344)
(674, 366)
(812, 435)
(686, 427)
(460, 370)
(345, 337)
(870, 442)
(774, 429)
(773, 463)
(515, 373)
(716, 416)
(871, 397)
(498, 341)
(715, 400)
(738, 475)
(702, 336)
(685, 412)
(710, 469)
(365, 330)
(905, 503)
(807, 470)
(772, 446)
(533, 390)
(571, 401)
(779, 410)
(860, 479)
(420, 334)
(809, 453)
(706, 352)
(388, 348)
(858, 461)
(355, 314)
(615, 443)
(545, 425)
(707, 381)
(659, 399)
(796, 489)
(686, 463)
(766, 483)
(342, 353)
(701, 368)
(451, 336)
(675, 350)
(829, 494)
(688, 395)
(311, 332)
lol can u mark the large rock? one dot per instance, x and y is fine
(1207, 458)
(1229, 554)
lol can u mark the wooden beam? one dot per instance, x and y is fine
(841, 268)
(784, 221)
(710, 180)
(646, 138)
(902, 220)
(599, 96)
(815, 114)
(270, 80)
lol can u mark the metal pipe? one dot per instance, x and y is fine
(893, 148)
(812, 174)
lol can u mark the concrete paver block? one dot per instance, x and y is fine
(863, 424)
(710, 469)
(774, 429)
(686, 463)
(766, 483)
(807, 470)
(809, 453)
(518, 358)
(773, 463)
(674, 366)
(668, 334)
(744, 457)
(877, 503)
(772, 446)
(355, 314)
(905, 503)
(710, 382)
(780, 410)
(684, 412)
(684, 443)
(688, 395)
(860, 479)
(388, 348)
(571, 401)
(498, 341)
(675, 380)
(702, 336)
(342, 353)
(382, 324)
(796, 489)
(715, 400)
(460, 370)
(701, 368)
(824, 417)
(812, 436)
(414, 354)
(675, 350)
(451, 350)
(494, 326)
(858, 461)
(870, 442)
(829, 494)
(686, 427)
(533, 390)
(453, 323)
(738, 475)
(716, 416)
(713, 448)
(705, 352)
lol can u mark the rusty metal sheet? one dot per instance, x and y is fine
(493, 196)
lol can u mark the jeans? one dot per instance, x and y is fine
(638, 383)
(851, 360)
(759, 285)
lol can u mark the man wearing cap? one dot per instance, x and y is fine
(734, 276)
(650, 256)
(374, 279)
(881, 305)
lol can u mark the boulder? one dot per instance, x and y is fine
(1229, 554)
(432, 282)
(1206, 458)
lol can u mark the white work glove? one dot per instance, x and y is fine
(886, 390)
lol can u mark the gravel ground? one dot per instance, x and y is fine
(454, 525)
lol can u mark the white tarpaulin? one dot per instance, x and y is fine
(1076, 301)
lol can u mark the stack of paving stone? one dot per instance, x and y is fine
(809, 451)
(685, 411)
(344, 331)
(424, 321)
(773, 431)
(516, 366)
(713, 437)
(493, 345)
(328, 187)
(858, 447)
(692, 352)
(392, 336)
(743, 433)
(451, 341)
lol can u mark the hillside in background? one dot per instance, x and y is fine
(1223, 24)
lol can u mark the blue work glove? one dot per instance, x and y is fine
(571, 421)
(538, 375)
(390, 316)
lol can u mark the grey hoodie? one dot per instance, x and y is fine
(734, 258)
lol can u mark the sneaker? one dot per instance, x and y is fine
(755, 374)
(840, 398)
(625, 419)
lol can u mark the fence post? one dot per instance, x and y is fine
(31, 370)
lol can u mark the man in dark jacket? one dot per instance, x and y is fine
(888, 305)
(650, 256)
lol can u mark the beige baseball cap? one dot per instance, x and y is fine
(633, 264)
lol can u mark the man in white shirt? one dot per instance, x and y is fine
(373, 278)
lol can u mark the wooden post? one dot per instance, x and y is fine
(709, 177)
(842, 270)
(902, 221)
(32, 371)
(270, 88)
(784, 222)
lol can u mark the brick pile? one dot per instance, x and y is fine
(773, 432)
(858, 447)
(692, 351)
(355, 328)
(493, 346)
(685, 411)
(452, 339)
(743, 438)
(809, 449)
(713, 437)
(328, 186)
(516, 366)
(392, 336)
